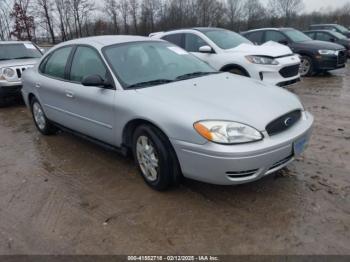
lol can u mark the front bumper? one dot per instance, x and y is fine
(9, 89)
(238, 164)
(328, 63)
(273, 74)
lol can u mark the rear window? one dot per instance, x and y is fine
(176, 39)
(256, 37)
(55, 64)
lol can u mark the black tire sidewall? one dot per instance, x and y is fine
(160, 144)
(241, 72)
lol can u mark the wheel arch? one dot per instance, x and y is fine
(231, 66)
(131, 126)
(31, 96)
(129, 130)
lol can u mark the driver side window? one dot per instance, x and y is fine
(324, 37)
(86, 62)
(193, 43)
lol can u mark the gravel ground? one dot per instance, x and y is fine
(64, 195)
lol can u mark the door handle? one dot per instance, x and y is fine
(69, 94)
(37, 85)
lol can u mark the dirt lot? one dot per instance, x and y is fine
(63, 195)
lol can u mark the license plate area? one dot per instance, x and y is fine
(300, 145)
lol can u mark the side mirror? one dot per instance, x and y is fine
(206, 49)
(96, 80)
(283, 42)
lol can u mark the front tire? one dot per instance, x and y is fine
(41, 122)
(237, 71)
(155, 158)
(306, 66)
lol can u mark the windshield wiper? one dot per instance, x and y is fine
(151, 83)
(195, 74)
(24, 57)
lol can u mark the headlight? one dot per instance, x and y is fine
(261, 60)
(227, 132)
(328, 52)
(8, 72)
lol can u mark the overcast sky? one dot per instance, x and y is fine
(312, 5)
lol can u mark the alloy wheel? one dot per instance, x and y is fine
(147, 158)
(39, 116)
(305, 66)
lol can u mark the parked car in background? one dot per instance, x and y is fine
(330, 36)
(333, 27)
(230, 52)
(177, 114)
(15, 57)
(316, 56)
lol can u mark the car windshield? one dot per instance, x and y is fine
(143, 64)
(297, 36)
(18, 51)
(342, 28)
(339, 35)
(226, 39)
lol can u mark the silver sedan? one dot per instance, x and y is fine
(174, 113)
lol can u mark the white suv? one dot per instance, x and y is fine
(228, 51)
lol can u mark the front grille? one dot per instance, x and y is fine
(19, 71)
(342, 58)
(290, 71)
(283, 123)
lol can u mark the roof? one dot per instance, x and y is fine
(101, 41)
(322, 24)
(13, 42)
(270, 28)
(319, 30)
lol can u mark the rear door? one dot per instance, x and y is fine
(91, 108)
(51, 83)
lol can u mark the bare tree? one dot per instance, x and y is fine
(45, 11)
(61, 13)
(134, 12)
(124, 8)
(111, 7)
(233, 8)
(81, 10)
(286, 8)
(23, 21)
(254, 12)
(5, 30)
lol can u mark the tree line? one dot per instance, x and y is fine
(54, 21)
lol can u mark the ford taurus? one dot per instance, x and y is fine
(175, 114)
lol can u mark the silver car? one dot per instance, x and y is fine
(15, 57)
(173, 112)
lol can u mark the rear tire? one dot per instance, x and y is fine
(155, 158)
(43, 124)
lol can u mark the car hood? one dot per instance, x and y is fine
(271, 49)
(19, 62)
(315, 44)
(223, 97)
